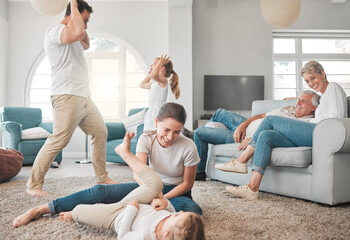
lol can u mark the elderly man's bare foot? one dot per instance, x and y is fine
(108, 181)
(31, 214)
(38, 192)
(124, 147)
(65, 216)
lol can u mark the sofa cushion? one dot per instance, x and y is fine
(280, 157)
(35, 133)
(132, 122)
(291, 157)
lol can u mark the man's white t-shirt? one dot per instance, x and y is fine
(69, 69)
(169, 162)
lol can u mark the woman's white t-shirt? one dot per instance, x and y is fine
(169, 162)
(333, 104)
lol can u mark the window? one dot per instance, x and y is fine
(114, 74)
(291, 50)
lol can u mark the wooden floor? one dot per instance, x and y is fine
(68, 168)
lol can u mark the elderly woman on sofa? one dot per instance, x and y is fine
(277, 131)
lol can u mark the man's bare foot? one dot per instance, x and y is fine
(31, 214)
(38, 192)
(124, 147)
(108, 181)
(65, 216)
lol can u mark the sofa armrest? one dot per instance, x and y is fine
(331, 160)
(11, 134)
(48, 126)
(332, 135)
(116, 130)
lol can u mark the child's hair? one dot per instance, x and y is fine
(172, 110)
(174, 84)
(192, 228)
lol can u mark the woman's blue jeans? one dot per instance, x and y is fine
(205, 135)
(114, 193)
(275, 131)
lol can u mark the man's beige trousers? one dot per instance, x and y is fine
(70, 111)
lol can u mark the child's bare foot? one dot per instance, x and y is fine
(108, 181)
(65, 216)
(38, 192)
(124, 147)
(31, 214)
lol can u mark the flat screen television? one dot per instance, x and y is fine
(232, 92)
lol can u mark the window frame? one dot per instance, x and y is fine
(299, 57)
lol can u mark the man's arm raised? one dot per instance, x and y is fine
(75, 29)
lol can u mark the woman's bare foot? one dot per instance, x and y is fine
(31, 214)
(38, 192)
(65, 216)
(124, 147)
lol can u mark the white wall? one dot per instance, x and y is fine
(3, 55)
(233, 39)
(3, 60)
(3, 52)
(3, 9)
(143, 25)
(180, 50)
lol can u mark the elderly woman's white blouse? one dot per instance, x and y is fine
(333, 104)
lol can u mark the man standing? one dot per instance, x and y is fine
(64, 45)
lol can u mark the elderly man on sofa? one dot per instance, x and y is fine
(241, 129)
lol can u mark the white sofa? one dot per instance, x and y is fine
(320, 174)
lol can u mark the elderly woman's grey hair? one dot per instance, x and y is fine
(312, 67)
(315, 100)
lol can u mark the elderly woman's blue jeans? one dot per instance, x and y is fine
(205, 135)
(114, 193)
(275, 131)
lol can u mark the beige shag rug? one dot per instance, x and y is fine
(226, 217)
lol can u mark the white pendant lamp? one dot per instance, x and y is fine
(280, 13)
(49, 7)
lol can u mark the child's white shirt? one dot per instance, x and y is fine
(137, 224)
